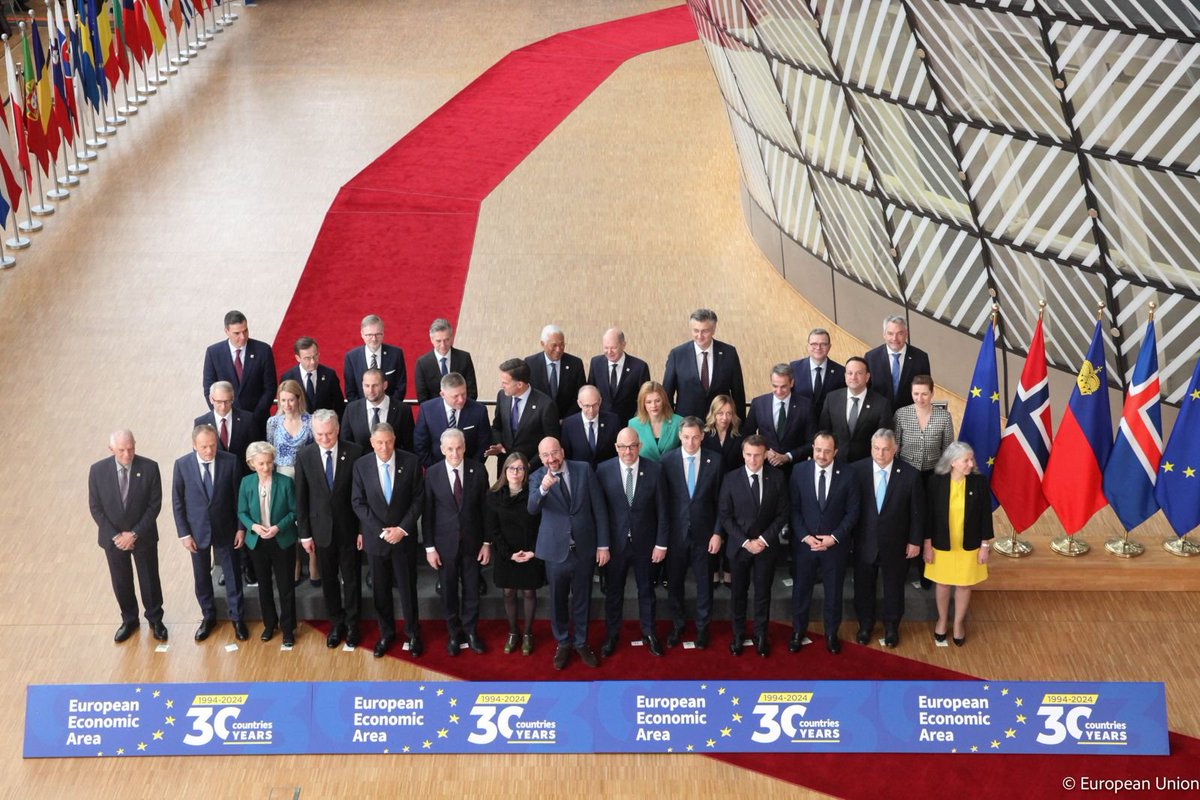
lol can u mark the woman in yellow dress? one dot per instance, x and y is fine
(960, 537)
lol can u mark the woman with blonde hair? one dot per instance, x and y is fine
(656, 423)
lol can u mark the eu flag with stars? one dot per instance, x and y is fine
(981, 420)
(1178, 488)
(1132, 467)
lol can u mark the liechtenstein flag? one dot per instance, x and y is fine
(1074, 482)
(1133, 466)
(981, 419)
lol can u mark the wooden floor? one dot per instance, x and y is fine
(211, 198)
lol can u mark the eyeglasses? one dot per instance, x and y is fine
(515, 468)
(633, 446)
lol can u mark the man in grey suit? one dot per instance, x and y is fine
(572, 541)
(125, 496)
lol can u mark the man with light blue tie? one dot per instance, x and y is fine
(893, 365)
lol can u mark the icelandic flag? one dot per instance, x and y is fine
(981, 420)
(1075, 473)
(1133, 466)
(1025, 443)
(1178, 487)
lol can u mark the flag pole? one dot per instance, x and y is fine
(59, 192)
(1120, 546)
(6, 261)
(1011, 546)
(116, 118)
(183, 54)
(169, 67)
(219, 21)
(17, 241)
(158, 79)
(44, 209)
(201, 40)
(131, 107)
(205, 34)
(218, 25)
(230, 16)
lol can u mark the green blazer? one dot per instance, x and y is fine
(667, 440)
(283, 509)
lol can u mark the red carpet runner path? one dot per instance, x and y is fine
(411, 215)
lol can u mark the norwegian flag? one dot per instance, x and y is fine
(1025, 443)
(1133, 466)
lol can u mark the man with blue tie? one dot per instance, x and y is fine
(893, 364)
(453, 408)
(637, 512)
(248, 365)
(572, 540)
(692, 477)
(618, 375)
(374, 354)
(524, 416)
(556, 373)
(699, 370)
(817, 375)
(825, 508)
(320, 383)
(590, 435)
(439, 362)
(204, 493)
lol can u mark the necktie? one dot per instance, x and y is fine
(207, 480)
(704, 371)
(329, 468)
(895, 373)
(754, 492)
(592, 434)
(310, 392)
(237, 364)
(224, 433)
(629, 485)
(553, 379)
(818, 383)
(781, 418)
(821, 490)
(691, 476)
(387, 484)
(562, 481)
(516, 413)
(458, 492)
(374, 416)
(853, 421)
(453, 418)
(445, 369)
(123, 480)
(612, 381)
(880, 490)
(374, 361)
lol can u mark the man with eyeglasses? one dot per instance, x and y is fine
(817, 375)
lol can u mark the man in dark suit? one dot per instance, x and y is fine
(321, 386)
(692, 477)
(125, 496)
(890, 529)
(452, 409)
(637, 536)
(248, 365)
(235, 428)
(818, 375)
(699, 370)
(439, 362)
(572, 540)
(618, 375)
(388, 496)
(825, 507)
(590, 435)
(456, 544)
(784, 419)
(327, 523)
(895, 363)
(374, 354)
(854, 413)
(753, 510)
(376, 406)
(556, 373)
(524, 416)
(204, 493)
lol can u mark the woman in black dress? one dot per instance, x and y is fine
(514, 537)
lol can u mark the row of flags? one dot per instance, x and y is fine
(1083, 467)
(90, 48)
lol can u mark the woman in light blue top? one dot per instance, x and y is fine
(657, 425)
(288, 431)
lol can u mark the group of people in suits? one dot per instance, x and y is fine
(598, 468)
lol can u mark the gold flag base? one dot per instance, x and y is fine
(1012, 547)
(1070, 546)
(1121, 547)
(1181, 547)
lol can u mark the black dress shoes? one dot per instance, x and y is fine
(415, 646)
(863, 636)
(762, 646)
(959, 642)
(289, 639)
(241, 632)
(795, 644)
(609, 647)
(206, 627)
(382, 646)
(353, 637)
(702, 638)
(476, 644)
(653, 645)
(674, 636)
(159, 630)
(561, 656)
(126, 630)
(334, 638)
(891, 637)
(452, 646)
(735, 646)
(833, 644)
(268, 633)
(587, 655)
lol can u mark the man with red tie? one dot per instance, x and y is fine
(249, 367)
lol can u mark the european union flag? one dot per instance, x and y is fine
(1178, 487)
(981, 420)
(1132, 467)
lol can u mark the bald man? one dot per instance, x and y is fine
(618, 376)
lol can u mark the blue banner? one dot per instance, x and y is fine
(602, 717)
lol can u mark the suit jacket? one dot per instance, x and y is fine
(327, 388)
(796, 437)
(642, 525)
(139, 512)
(681, 379)
(832, 377)
(668, 436)
(879, 364)
(375, 513)
(356, 424)
(876, 413)
(432, 421)
(211, 523)
(692, 518)
(584, 520)
(283, 510)
(321, 512)
(729, 451)
(741, 520)
(255, 392)
(445, 525)
(977, 512)
(842, 505)
(429, 374)
(575, 440)
(571, 378)
(623, 402)
(391, 361)
(241, 433)
(883, 534)
(539, 419)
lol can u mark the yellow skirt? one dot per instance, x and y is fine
(956, 567)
